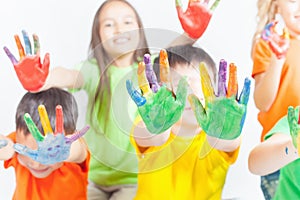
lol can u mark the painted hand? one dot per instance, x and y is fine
(162, 109)
(294, 124)
(279, 44)
(196, 18)
(30, 71)
(52, 148)
(3, 143)
(223, 115)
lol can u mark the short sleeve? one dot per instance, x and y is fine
(282, 126)
(261, 57)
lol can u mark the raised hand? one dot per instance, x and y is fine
(162, 109)
(279, 43)
(30, 71)
(224, 114)
(294, 124)
(53, 147)
(196, 18)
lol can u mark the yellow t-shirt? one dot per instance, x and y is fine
(176, 171)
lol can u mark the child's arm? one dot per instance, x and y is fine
(272, 154)
(6, 151)
(158, 106)
(223, 116)
(267, 83)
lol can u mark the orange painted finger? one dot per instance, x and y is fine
(165, 75)
(20, 47)
(232, 88)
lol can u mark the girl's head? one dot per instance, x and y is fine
(117, 31)
(289, 10)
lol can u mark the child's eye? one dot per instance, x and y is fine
(57, 146)
(49, 149)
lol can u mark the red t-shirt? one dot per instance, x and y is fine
(67, 182)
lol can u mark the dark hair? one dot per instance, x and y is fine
(50, 99)
(97, 51)
(188, 54)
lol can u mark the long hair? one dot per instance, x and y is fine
(97, 51)
(266, 12)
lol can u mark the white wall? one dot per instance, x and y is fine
(64, 30)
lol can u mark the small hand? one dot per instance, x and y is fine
(3, 143)
(162, 109)
(279, 44)
(223, 115)
(52, 148)
(294, 124)
(30, 71)
(196, 18)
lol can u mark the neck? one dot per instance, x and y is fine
(124, 60)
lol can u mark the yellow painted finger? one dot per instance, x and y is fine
(44, 120)
(232, 88)
(142, 79)
(207, 87)
(20, 47)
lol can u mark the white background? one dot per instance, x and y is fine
(64, 30)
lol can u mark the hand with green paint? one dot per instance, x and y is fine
(294, 124)
(52, 147)
(223, 114)
(162, 109)
(30, 71)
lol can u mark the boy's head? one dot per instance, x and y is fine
(184, 60)
(29, 104)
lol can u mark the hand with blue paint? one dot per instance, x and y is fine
(30, 71)
(3, 143)
(53, 147)
(158, 106)
(278, 43)
(223, 114)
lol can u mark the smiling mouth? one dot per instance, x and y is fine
(121, 40)
(53, 154)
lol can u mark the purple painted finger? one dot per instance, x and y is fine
(150, 74)
(10, 56)
(77, 135)
(222, 78)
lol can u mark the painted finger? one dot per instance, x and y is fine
(164, 67)
(215, 5)
(198, 109)
(293, 117)
(142, 79)
(20, 47)
(3, 143)
(36, 43)
(59, 121)
(33, 128)
(207, 87)
(134, 94)
(244, 96)
(10, 56)
(150, 74)
(28, 49)
(24, 150)
(222, 76)
(45, 120)
(232, 88)
(181, 92)
(77, 135)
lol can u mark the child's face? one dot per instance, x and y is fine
(290, 12)
(36, 169)
(193, 77)
(118, 28)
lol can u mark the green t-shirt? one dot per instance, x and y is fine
(113, 159)
(289, 179)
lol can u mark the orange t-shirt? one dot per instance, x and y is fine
(288, 92)
(67, 182)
